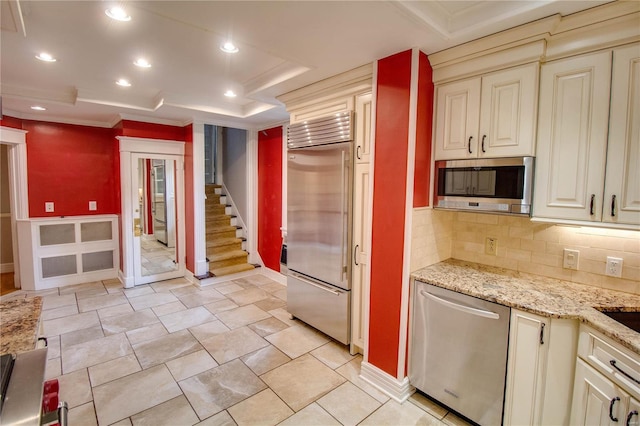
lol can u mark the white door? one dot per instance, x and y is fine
(157, 259)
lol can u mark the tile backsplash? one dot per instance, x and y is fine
(527, 246)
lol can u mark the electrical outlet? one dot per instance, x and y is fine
(48, 206)
(570, 259)
(93, 205)
(614, 267)
(491, 246)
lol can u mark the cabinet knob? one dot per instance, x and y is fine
(592, 204)
(483, 138)
(358, 152)
(469, 147)
(631, 414)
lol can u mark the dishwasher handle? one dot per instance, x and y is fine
(459, 307)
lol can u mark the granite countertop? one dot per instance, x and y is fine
(19, 322)
(539, 295)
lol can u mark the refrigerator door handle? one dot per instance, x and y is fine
(343, 207)
(317, 285)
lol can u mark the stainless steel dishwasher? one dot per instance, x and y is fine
(458, 351)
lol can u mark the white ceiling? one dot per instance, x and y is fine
(284, 45)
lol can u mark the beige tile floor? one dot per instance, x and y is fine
(172, 353)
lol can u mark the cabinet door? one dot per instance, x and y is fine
(363, 128)
(622, 190)
(457, 115)
(359, 282)
(508, 112)
(572, 137)
(526, 368)
(596, 400)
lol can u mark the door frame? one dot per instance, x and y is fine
(131, 147)
(15, 139)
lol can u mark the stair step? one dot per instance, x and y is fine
(214, 209)
(220, 246)
(229, 258)
(228, 270)
(217, 221)
(211, 188)
(221, 231)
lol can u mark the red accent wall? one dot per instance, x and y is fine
(422, 175)
(14, 123)
(389, 200)
(138, 129)
(71, 165)
(270, 196)
(189, 210)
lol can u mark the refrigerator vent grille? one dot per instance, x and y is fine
(331, 129)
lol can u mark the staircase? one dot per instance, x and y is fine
(224, 248)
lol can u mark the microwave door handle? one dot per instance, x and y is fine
(462, 308)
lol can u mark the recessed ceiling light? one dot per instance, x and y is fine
(229, 47)
(117, 13)
(142, 63)
(45, 57)
(122, 82)
(38, 108)
(230, 94)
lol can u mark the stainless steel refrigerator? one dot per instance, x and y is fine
(319, 187)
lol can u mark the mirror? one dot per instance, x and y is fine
(157, 204)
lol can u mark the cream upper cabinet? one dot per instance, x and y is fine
(363, 128)
(574, 129)
(489, 116)
(457, 115)
(622, 182)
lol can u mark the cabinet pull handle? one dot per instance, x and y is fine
(358, 152)
(624, 373)
(592, 205)
(542, 325)
(483, 138)
(613, 205)
(470, 137)
(355, 252)
(611, 404)
(631, 414)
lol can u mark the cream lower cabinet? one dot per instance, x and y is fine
(607, 382)
(542, 353)
(589, 134)
(489, 116)
(598, 401)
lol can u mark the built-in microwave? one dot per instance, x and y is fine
(491, 185)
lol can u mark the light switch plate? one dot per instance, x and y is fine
(570, 259)
(93, 205)
(48, 206)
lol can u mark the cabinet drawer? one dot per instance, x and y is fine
(619, 364)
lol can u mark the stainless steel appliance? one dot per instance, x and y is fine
(319, 223)
(25, 398)
(491, 185)
(458, 351)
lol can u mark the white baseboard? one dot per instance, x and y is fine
(274, 275)
(127, 282)
(5, 268)
(397, 390)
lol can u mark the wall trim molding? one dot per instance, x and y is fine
(398, 390)
(6, 268)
